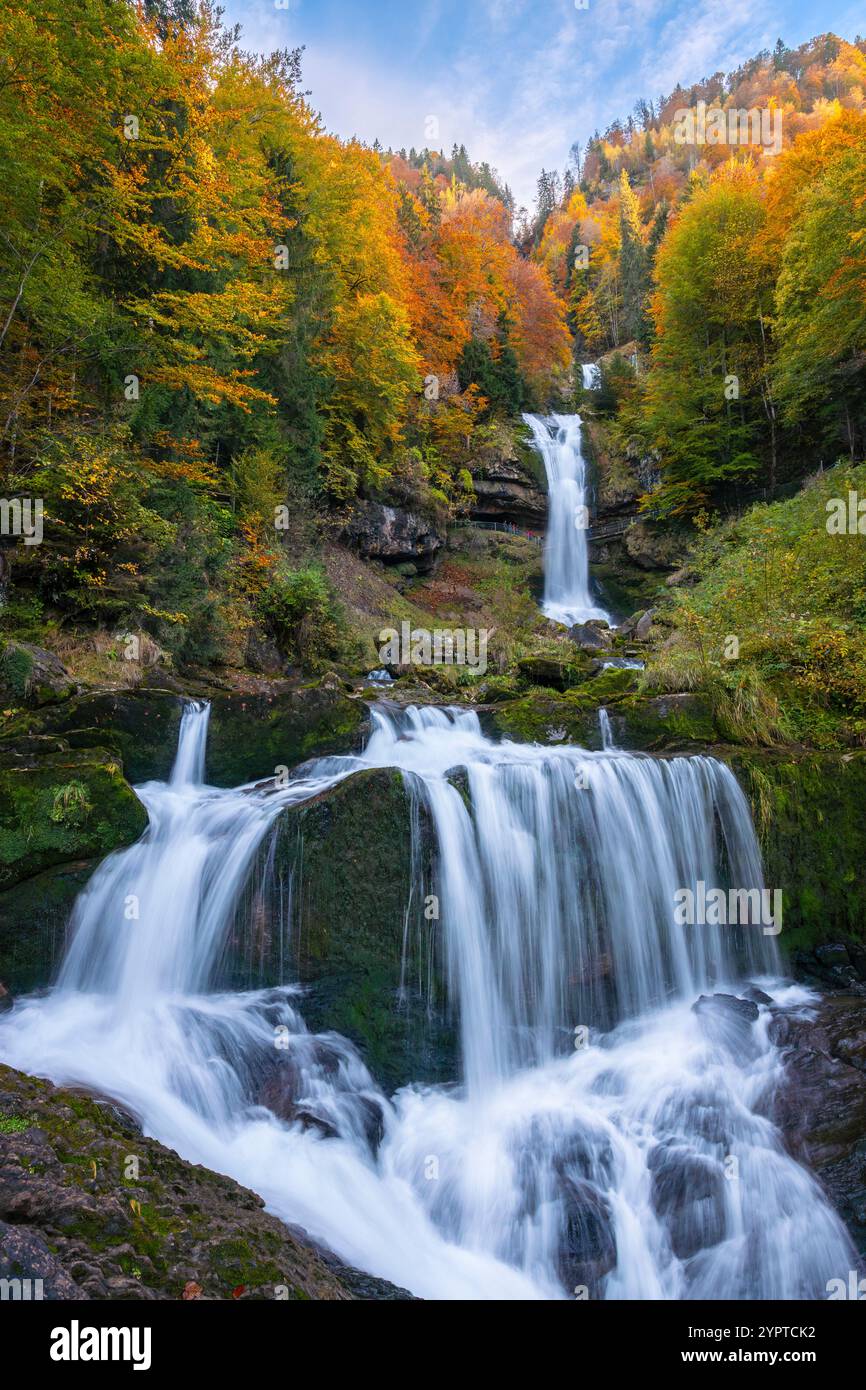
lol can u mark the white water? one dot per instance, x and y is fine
(591, 374)
(557, 894)
(567, 596)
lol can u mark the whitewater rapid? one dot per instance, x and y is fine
(590, 1090)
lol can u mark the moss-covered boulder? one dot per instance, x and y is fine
(63, 806)
(809, 812)
(250, 735)
(30, 675)
(34, 916)
(139, 726)
(72, 1214)
(342, 910)
(637, 723)
(251, 732)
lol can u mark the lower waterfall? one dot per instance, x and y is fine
(603, 1141)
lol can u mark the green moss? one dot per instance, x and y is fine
(808, 811)
(13, 1124)
(344, 861)
(63, 807)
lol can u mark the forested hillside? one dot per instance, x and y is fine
(221, 325)
(731, 273)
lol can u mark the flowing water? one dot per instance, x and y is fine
(567, 594)
(602, 1138)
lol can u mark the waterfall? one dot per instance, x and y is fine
(591, 376)
(592, 1141)
(567, 596)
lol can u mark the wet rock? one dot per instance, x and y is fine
(688, 1196)
(728, 1021)
(588, 1251)
(643, 625)
(393, 535)
(6, 1000)
(755, 995)
(820, 1106)
(69, 1216)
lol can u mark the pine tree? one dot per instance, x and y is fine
(634, 270)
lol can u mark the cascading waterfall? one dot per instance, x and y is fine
(569, 1158)
(567, 595)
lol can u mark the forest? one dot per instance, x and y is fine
(221, 326)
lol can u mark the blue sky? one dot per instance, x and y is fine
(517, 81)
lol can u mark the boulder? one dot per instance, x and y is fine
(62, 807)
(393, 535)
(688, 1195)
(332, 914)
(30, 675)
(727, 1020)
(69, 1216)
(590, 638)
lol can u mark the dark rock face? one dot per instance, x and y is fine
(71, 1217)
(821, 1105)
(504, 491)
(329, 909)
(393, 535)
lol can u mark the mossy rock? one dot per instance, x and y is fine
(62, 807)
(250, 734)
(808, 810)
(140, 726)
(174, 1230)
(344, 863)
(30, 675)
(638, 724)
(34, 916)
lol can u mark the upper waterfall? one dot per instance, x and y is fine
(567, 594)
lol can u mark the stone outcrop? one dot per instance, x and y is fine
(30, 675)
(71, 1216)
(393, 535)
(60, 806)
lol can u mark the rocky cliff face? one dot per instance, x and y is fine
(393, 535)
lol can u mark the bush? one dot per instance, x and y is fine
(300, 611)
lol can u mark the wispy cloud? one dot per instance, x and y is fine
(516, 81)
